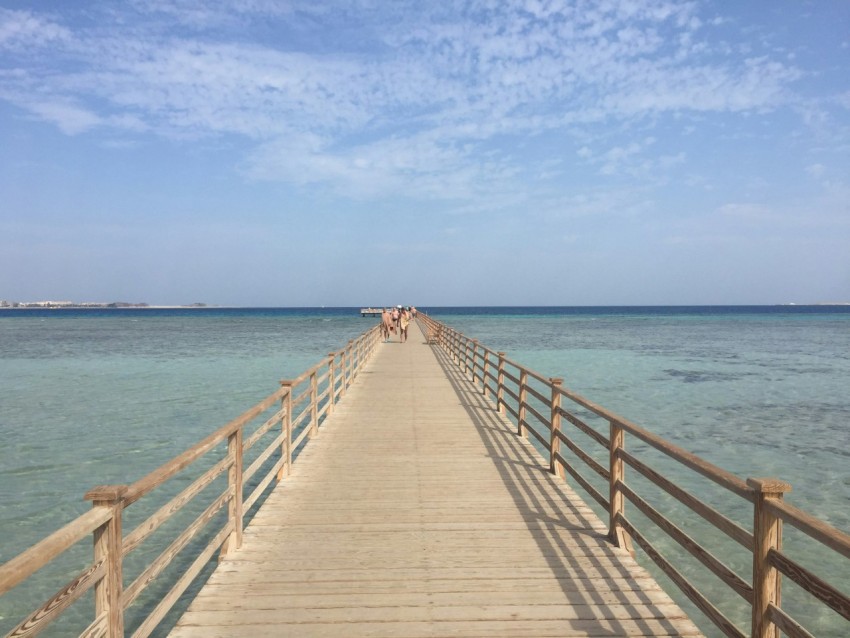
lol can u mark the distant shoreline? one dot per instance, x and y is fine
(105, 306)
(202, 306)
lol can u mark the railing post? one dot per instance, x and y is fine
(474, 361)
(465, 356)
(767, 537)
(355, 359)
(108, 592)
(523, 396)
(286, 449)
(617, 500)
(500, 389)
(331, 382)
(234, 483)
(314, 405)
(484, 371)
(342, 366)
(349, 365)
(555, 466)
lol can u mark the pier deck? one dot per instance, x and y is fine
(417, 511)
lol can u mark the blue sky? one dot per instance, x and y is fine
(259, 152)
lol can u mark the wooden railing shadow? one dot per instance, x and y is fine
(590, 571)
(581, 435)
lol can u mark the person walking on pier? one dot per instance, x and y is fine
(403, 322)
(385, 324)
(395, 316)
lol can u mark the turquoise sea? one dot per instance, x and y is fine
(93, 397)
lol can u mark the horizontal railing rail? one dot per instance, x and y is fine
(535, 403)
(297, 409)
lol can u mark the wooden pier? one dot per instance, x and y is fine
(426, 489)
(419, 512)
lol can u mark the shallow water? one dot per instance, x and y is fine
(97, 397)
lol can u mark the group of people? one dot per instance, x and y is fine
(395, 321)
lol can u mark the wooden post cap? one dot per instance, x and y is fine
(769, 485)
(106, 493)
(556, 380)
(286, 382)
(501, 354)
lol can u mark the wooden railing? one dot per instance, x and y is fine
(536, 404)
(289, 417)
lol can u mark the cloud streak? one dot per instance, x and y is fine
(447, 75)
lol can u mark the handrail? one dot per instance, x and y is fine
(766, 495)
(288, 427)
(31, 560)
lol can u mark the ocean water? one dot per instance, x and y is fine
(105, 396)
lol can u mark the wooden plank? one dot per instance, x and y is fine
(630, 601)
(238, 611)
(833, 538)
(474, 629)
(811, 583)
(328, 582)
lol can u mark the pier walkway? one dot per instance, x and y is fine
(417, 511)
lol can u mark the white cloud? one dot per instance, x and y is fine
(745, 211)
(635, 158)
(415, 166)
(426, 90)
(71, 119)
(612, 160)
(208, 14)
(22, 30)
